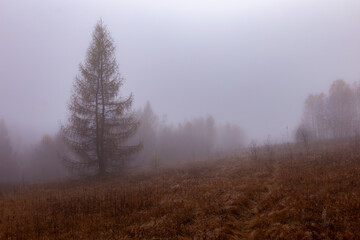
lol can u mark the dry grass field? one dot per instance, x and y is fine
(286, 194)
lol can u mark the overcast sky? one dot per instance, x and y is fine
(248, 62)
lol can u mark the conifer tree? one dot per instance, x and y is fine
(100, 119)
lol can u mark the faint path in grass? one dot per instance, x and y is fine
(267, 180)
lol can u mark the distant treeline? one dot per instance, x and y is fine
(335, 115)
(162, 143)
(40, 161)
(194, 139)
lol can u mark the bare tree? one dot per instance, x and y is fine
(269, 149)
(5, 147)
(341, 109)
(303, 136)
(332, 116)
(100, 120)
(314, 115)
(254, 150)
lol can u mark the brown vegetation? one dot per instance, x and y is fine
(292, 194)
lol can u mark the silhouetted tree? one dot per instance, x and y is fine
(341, 109)
(100, 120)
(210, 134)
(146, 134)
(269, 149)
(7, 163)
(357, 109)
(314, 119)
(46, 162)
(5, 147)
(231, 138)
(254, 150)
(303, 136)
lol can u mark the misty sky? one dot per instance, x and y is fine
(247, 62)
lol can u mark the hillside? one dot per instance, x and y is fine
(281, 195)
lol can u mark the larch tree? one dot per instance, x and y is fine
(100, 119)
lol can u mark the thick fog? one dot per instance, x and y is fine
(249, 63)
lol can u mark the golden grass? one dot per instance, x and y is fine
(229, 198)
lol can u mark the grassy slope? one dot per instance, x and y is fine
(280, 196)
